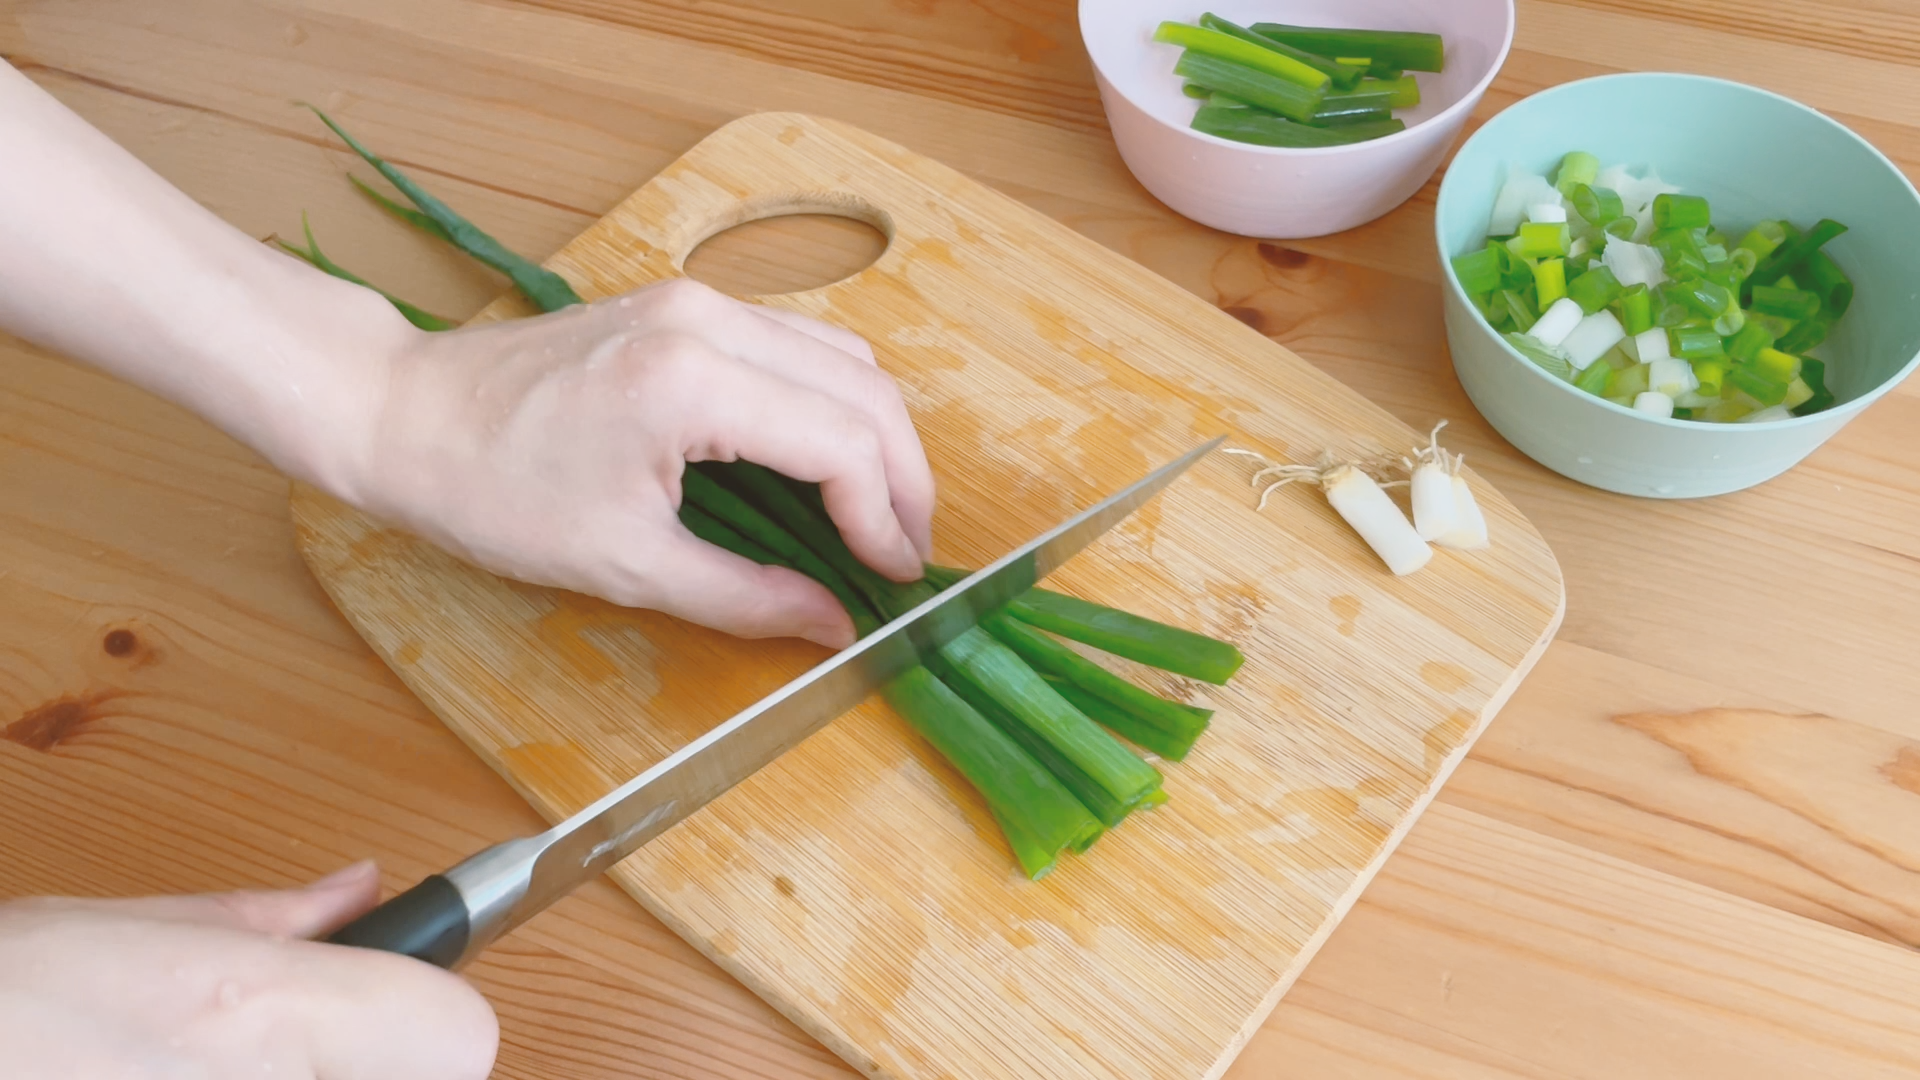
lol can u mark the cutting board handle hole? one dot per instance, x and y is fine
(787, 243)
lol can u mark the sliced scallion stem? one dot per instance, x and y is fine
(1342, 76)
(1228, 48)
(1386, 48)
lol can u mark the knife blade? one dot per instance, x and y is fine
(449, 918)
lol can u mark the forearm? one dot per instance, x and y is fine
(104, 261)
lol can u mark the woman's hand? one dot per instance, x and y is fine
(223, 986)
(550, 450)
(546, 449)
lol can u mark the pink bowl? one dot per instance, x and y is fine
(1269, 191)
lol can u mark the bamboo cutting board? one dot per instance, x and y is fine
(858, 884)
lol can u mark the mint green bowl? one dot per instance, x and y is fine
(1754, 155)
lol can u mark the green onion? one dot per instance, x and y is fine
(1002, 675)
(1594, 289)
(1550, 281)
(1756, 386)
(1636, 309)
(1350, 114)
(1763, 239)
(1049, 657)
(1548, 359)
(1143, 735)
(1813, 372)
(1342, 76)
(312, 254)
(1825, 277)
(1711, 374)
(1630, 382)
(1401, 90)
(1577, 169)
(1257, 87)
(1248, 126)
(1226, 47)
(1681, 212)
(1594, 379)
(1395, 48)
(1597, 205)
(1680, 251)
(1786, 303)
(1807, 334)
(1478, 271)
(1790, 254)
(1516, 308)
(405, 213)
(1694, 342)
(1776, 365)
(1017, 787)
(1121, 633)
(1540, 240)
(1747, 344)
(548, 290)
(1195, 90)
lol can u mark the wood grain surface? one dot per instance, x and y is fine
(858, 884)
(1686, 848)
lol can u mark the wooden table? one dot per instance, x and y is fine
(1689, 847)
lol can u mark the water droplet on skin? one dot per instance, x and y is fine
(179, 973)
(229, 995)
(176, 1042)
(633, 393)
(626, 301)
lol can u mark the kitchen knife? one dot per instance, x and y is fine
(449, 918)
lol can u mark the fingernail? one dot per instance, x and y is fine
(346, 875)
(910, 556)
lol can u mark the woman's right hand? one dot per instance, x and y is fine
(225, 986)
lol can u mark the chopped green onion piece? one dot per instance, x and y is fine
(1786, 303)
(1251, 126)
(1226, 101)
(1517, 309)
(1268, 91)
(1594, 289)
(1404, 49)
(1360, 114)
(1402, 91)
(1597, 205)
(1576, 169)
(1345, 100)
(1550, 282)
(1673, 211)
(1679, 251)
(1764, 238)
(1761, 389)
(1479, 271)
(1711, 374)
(1694, 342)
(1341, 76)
(1226, 47)
(1825, 278)
(1747, 344)
(1195, 90)
(1708, 298)
(1551, 360)
(1114, 719)
(1540, 240)
(1629, 383)
(1354, 61)
(1594, 379)
(1776, 365)
(1813, 372)
(1798, 393)
(1636, 309)
(1806, 334)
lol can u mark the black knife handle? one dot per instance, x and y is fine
(427, 922)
